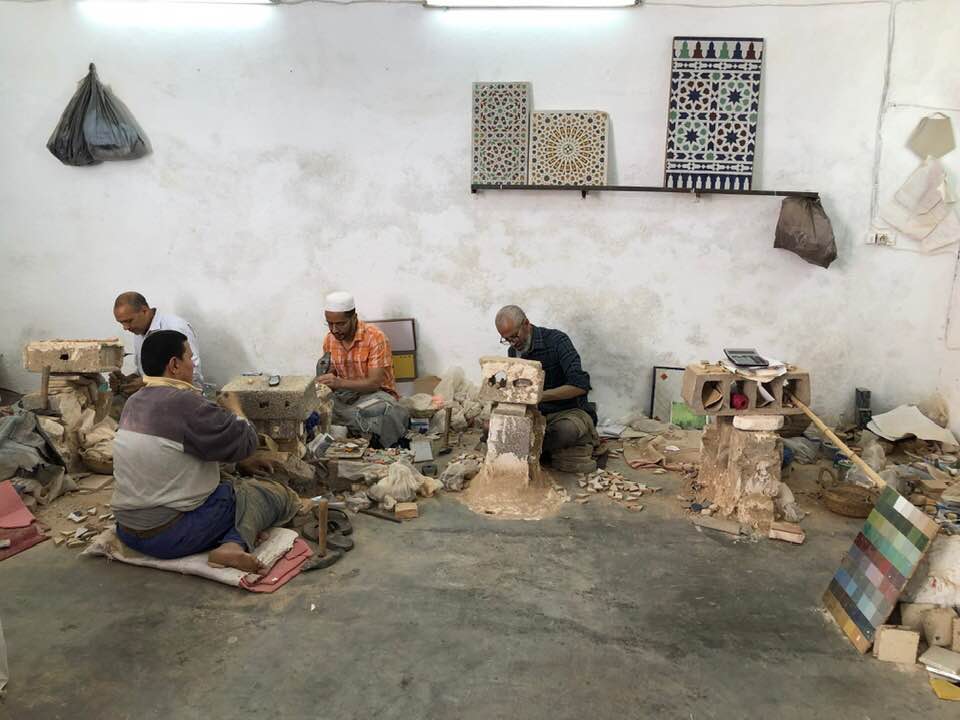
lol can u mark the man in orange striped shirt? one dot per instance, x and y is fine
(360, 373)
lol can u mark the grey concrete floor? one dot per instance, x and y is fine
(595, 613)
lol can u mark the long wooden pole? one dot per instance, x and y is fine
(869, 471)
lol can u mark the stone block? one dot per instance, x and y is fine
(896, 644)
(285, 429)
(740, 472)
(767, 423)
(911, 614)
(938, 626)
(510, 380)
(514, 443)
(509, 434)
(293, 399)
(73, 356)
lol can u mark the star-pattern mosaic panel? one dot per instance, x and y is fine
(568, 148)
(501, 128)
(714, 110)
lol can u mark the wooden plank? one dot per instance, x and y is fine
(727, 526)
(406, 511)
(790, 532)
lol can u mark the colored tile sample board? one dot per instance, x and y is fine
(568, 148)
(501, 131)
(874, 572)
(713, 113)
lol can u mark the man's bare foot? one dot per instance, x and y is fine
(234, 556)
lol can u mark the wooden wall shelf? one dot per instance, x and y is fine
(584, 189)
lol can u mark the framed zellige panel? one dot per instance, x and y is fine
(402, 334)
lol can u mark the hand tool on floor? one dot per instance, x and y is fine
(854, 458)
(381, 515)
(333, 504)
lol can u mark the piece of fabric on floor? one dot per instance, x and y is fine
(378, 413)
(13, 513)
(20, 539)
(284, 569)
(282, 543)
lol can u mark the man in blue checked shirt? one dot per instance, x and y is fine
(571, 419)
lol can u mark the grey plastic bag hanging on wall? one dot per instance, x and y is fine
(96, 126)
(805, 229)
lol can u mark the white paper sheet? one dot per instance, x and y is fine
(908, 420)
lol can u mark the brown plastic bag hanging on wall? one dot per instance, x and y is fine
(805, 229)
(96, 126)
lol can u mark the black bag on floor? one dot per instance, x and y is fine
(96, 126)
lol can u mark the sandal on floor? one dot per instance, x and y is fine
(310, 531)
(338, 522)
(318, 562)
(339, 542)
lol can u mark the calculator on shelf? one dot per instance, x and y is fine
(743, 357)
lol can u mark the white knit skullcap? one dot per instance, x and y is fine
(340, 302)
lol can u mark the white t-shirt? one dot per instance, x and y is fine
(163, 321)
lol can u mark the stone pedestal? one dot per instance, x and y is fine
(740, 472)
(514, 442)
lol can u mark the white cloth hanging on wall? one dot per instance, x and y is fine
(924, 208)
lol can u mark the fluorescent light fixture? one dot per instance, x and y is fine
(506, 4)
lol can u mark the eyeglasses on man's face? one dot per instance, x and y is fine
(515, 338)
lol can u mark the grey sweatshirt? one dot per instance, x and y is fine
(167, 451)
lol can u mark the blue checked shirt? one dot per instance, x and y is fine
(561, 366)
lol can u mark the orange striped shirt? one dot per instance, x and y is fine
(370, 349)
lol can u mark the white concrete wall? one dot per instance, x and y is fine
(307, 148)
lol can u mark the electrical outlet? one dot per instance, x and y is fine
(881, 238)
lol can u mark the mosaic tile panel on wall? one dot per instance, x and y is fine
(501, 128)
(568, 148)
(713, 113)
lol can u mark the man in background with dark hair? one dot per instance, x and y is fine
(169, 500)
(135, 315)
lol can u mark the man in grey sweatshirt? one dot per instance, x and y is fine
(169, 500)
